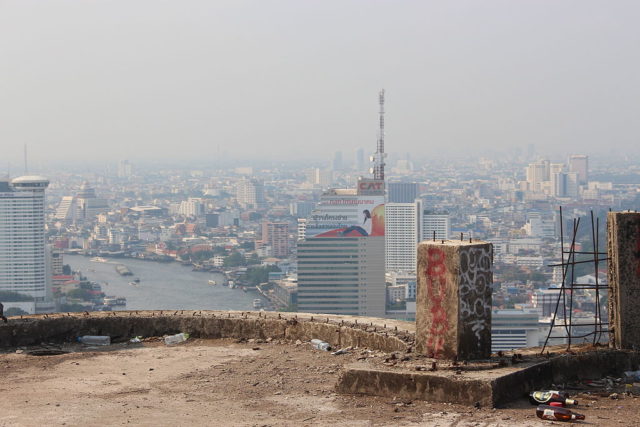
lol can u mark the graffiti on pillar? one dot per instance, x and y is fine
(475, 289)
(436, 291)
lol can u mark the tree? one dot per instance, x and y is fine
(257, 275)
(66, 270)
(234, 260)
(15, 311)
(10, 296)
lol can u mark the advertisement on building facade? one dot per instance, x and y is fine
(347, 216)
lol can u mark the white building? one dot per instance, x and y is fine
(511, 329)
(250, 193)
(193, 207)
(438, 222)
(402, 234)
(23, 255)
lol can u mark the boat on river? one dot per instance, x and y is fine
(99, 259)
(123, 270)
(213, 282)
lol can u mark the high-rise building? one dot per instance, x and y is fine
(579, 163)
(301, 209)
(337, 163)
(84, 206)
(564, 184)
(402, 234)
(341, 256)
(192, 207)
(440, 223)
(342, 275)
(276, 235)
(23, 258)
(360, 159)
(89, 205)
(403, 192)
(537, 173)
(125, 169)
(250, 193)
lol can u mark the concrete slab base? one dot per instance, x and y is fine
(488, 387)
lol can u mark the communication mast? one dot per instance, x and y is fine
(378, 157)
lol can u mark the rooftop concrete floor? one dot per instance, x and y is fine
(227, 382)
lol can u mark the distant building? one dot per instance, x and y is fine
(341, 275)
(545, 300)
(403, 192)
(511, 329)
(438, 222)
(337, 163)
(301, 209)
(84, 206)
(341, 259)
(402, 234)
(125, 169)
(360, 159)
(23, 254)
(193, 207)
(579, 163)
(250, 193)
(276, 235)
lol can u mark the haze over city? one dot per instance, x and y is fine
(287, 80)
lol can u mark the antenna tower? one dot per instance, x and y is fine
(378, 158)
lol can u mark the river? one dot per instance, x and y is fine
(163, 286)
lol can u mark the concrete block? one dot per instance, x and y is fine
(623, 229)
(453, 302)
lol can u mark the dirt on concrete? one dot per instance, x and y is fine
(226, 382)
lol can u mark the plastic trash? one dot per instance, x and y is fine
(341, 351)
(135, 340)
(176, 339)
(320, 345)
(95, 339)
(632, 375)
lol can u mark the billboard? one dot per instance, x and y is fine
(347, 216)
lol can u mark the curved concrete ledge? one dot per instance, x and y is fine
(339, 331)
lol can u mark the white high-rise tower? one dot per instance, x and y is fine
(23, 265)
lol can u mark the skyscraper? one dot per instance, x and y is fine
(435, 222)
(23, 257)
(579, 163)
(360, 159)
(341, 247)
(341, 256)
(250, 193)
(402, 234)
(403, 192)
(276, 235)
(125, 169)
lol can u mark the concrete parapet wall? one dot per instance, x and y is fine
(339, 331)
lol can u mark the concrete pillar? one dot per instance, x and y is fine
(623, 248)
(453, 303)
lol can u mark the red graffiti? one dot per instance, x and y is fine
(436, 289)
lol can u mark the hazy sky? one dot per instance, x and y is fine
(113, 79)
